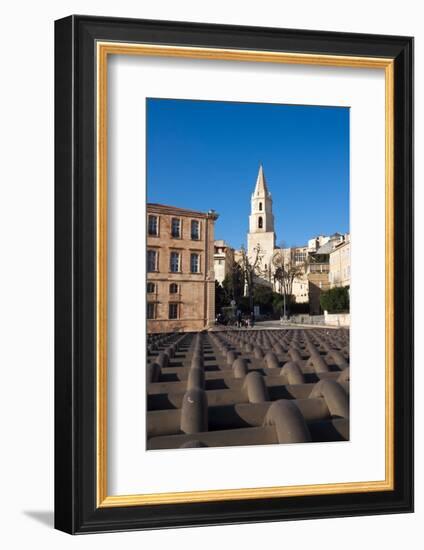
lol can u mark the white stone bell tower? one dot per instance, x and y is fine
(261, 222)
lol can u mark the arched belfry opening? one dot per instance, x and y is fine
(260, 222)
(260, 206)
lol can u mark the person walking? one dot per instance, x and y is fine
(239, 318)
(252, 319)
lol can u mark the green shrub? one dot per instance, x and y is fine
(277, 303)
(335, 300)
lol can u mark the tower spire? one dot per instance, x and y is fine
(261, 187)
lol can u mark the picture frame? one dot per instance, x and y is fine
(82, 47)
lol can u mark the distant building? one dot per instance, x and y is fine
(330, 244)
(319, 270)
(300, 289)
(238, 256)
(297, 254)
(316, 242)
(180, 269)
(223, 260)
(340, 263)
(318, 281)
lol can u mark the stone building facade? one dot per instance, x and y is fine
(340, 263)
(180, 282)
(316, 242)
(320, 268)
(318, 280)
(223, 260)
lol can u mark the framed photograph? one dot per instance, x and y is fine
(233, 265)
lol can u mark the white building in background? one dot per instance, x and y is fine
(223, 260)
(317, 242)
(297, 254)
(339, 274)
(300, 289)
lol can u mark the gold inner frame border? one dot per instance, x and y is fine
(103, 50)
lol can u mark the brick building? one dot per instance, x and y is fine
(180, 284)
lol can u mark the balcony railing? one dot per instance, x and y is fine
(318, 268)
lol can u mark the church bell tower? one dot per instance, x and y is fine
(261, 222)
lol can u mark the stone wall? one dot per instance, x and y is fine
(328, 319)
(337, 319)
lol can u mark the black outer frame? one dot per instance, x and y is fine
(75, 275)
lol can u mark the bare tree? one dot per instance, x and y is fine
(251, 268)
(286, 270)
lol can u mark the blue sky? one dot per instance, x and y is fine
(206, 154)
